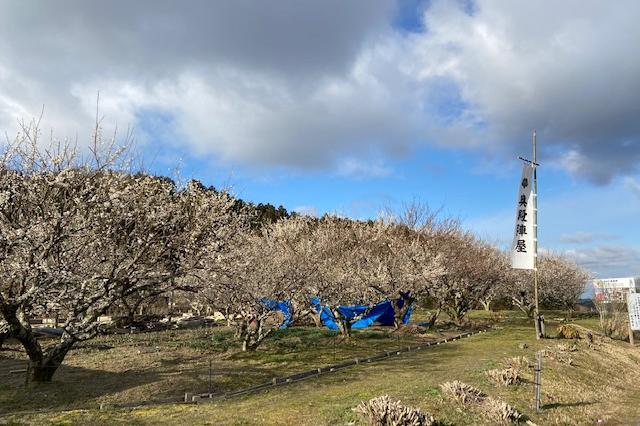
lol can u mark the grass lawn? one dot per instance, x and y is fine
(600, 383)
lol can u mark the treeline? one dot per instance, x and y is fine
(80, 235)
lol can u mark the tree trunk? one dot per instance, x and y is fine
(570, 311)
(20, 329)
(42, 364)
(316, 319)
(399, 312)
(524, 307)
(252, 336)
(246, 343)
(434, 318)
(486, 304)
(345, 328)
(227, 315)
(43, 369)
(344, 325)
(4, 333)
(457, 316)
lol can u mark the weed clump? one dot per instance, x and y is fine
(517, 362)
(505, 376)
(574, 332)
(462, 392)
(497, 411)
(560, 354)
(384, 411)
(500, 412)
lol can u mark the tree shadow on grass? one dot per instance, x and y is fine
(567, 404)
(72, 387)
(75, 387)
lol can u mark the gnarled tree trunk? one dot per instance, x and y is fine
(433, 318)
(344, 324)
(43, 368)
(399, 312)
(316, 319)
(526, 307)
(42, 363)
(5, 333)
(486, 304)
(252, 333)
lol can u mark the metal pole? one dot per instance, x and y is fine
(537, 381)
(538, 321)
(631, 337)
(334, 347)
(209, 376)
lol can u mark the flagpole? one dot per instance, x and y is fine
(538, 319)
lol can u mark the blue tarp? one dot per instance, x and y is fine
(382, 313)
(283, 306)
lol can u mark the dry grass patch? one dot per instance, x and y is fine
(505, 376)
(500, 412)
(495, 410)
(384, 411)
(462, 392)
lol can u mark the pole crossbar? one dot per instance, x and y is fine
(526, 160)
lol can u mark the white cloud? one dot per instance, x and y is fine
(585, 237)
(306, 211)
(360, 169)
(633, 185)
(297, 84)
(568, 68)
(608, 260)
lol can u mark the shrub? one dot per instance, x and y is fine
(517, 362)
(500, 412)
(462, 392)
(383, 411)
(558, 355)
(563, 347)
(505, 376)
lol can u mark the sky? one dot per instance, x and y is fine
(352, 107)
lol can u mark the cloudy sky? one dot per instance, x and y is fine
(351, 106)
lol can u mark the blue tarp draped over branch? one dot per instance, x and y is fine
(283, 306)
(365, 315)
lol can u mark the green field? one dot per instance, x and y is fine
(579, 386)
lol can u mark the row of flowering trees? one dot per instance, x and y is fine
(346, 262)
(81, 235)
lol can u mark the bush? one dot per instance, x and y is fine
(517, 362)
(501, 412)
(505, 376)
(462, 392)
(383, 411)
(557, 354)
(613, 319)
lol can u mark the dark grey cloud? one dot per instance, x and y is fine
(161, 37)
(569, 69)
(316, 84)
(269, 82)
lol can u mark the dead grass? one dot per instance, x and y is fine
(602, 383)
(134, 369)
